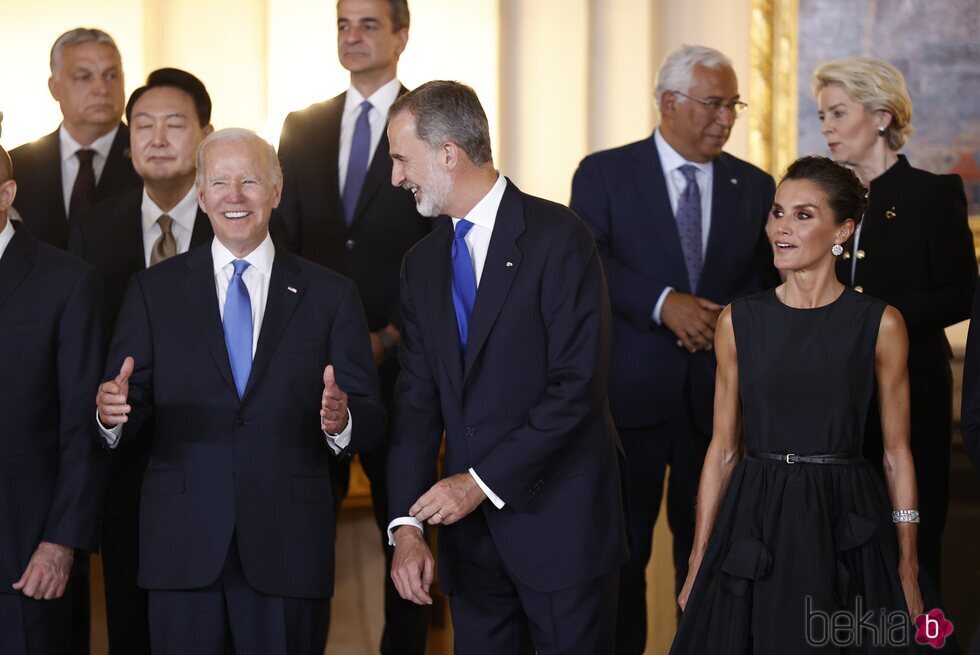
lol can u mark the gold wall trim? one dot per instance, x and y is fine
(773, 86)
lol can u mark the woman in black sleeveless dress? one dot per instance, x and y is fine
(803, 548)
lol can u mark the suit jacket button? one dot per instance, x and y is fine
(239, 421)
(860, 254)
(470, 432)
(859, 289)
(349, 244)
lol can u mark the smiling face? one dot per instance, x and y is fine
(164, 135)
(416, 167)
(850, 130)
(697, 132)
(366, 42)
(89, 87)
(802, 227)
(238, 192)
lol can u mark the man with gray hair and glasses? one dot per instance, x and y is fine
(680, 228)
(85, 160)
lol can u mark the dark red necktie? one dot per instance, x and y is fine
(83, 193)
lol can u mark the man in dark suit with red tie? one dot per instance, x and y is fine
(505, 348)
(168, 119)
(52, 474)
(340, 211)
(86, 160)
(256, 368)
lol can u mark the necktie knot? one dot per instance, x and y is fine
(85, 156)
(366, 107)
(240, 266)
(463, 227)
(689, 172)
(166, 223)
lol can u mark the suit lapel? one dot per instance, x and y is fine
(16, 262)
(652, 190)
(439, 305)
(130, 222)
(503, 262)
(114, 174)
(202, 232)
(325, 167)
(49, 164)
(199, 288)
(724, 200)
(286, 287)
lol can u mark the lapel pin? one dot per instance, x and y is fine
(291, 289)
(734, 181)
(890, 213)
(510, 264)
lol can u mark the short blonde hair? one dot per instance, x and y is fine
(875, 84)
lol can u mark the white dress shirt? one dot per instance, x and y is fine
(381, 101)
(671, 162)
(483, 216)
(184, 214)
(256, 278)
(69, 162)
(5, 236)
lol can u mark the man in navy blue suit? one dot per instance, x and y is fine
(256, 368)
(680, 228)
(52, 474)
(505, 347)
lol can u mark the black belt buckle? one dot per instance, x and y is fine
(790, 458)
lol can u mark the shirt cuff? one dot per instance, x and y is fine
(660, 304)
(110, 435)
(494, 498)
(338, 442)
(402, 520)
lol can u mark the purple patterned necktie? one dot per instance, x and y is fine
(689, 224)
(360, 149)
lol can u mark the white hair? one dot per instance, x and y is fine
(678, 67)
(241, 135)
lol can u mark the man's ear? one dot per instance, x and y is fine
(668, 103)
(8, 191)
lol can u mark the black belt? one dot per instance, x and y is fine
(852, 458)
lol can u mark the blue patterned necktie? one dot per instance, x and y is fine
(464, 282)
(689, 224)
(238, 327)
(360, 149)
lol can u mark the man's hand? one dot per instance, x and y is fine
(449, 500)
(412, 565)
(47, 573)
(113, 397)
(692, 319)
(333, 404)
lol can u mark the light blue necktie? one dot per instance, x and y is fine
(464, 282)
(238, 327)
(360, 149)
(688, 219)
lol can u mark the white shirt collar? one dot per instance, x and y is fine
(260, 259)
(671, 160)
(484, 213)
(381, 100)
(6, 235)
(184, 212)
(69, 146)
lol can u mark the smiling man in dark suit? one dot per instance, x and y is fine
(680, 228)
(505, 348)
(256, 368)
(168, 119)
(51, 475)
(340, 211)
(86, 160)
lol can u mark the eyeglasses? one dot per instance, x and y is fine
(715, 106)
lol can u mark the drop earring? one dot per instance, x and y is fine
(837, 250)
(881, 131)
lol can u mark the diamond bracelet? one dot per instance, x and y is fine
(905, 516)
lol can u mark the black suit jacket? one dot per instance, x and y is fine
(622, 195)
(526, 407)
(385, 225)
(254, 467)
(970, 412)
(110, 237)
(52, 473)
(40, 197)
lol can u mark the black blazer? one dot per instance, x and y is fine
(526, 407)
(970, 408)
(52, 473)
(254, 467)
(110, 237)
(622, 195)
(385, 225)
(40, 198)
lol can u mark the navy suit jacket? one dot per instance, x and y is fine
(526, 407)
(256, 466)
(40, 196)
(622, 195)
(52, 472)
